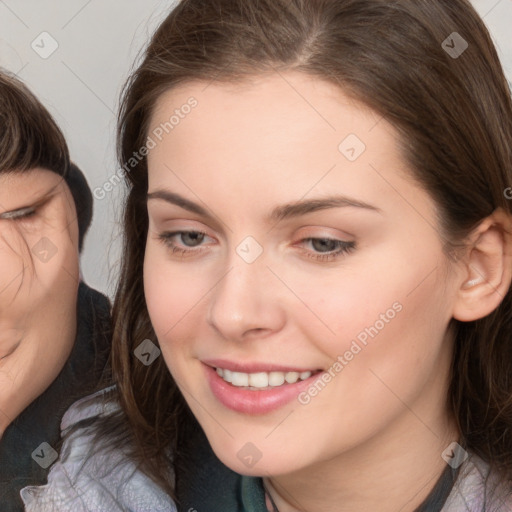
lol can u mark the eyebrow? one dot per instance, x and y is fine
(304, 207)
(279, 213)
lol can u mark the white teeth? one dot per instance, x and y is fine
(261, 380)
(258, 380)
(275, 378)
(291, 377)
(240, 379)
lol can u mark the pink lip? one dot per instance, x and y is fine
(253, 402)
(252, 367)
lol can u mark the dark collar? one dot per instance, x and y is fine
(40, 421)
(444, 485)
(253, 493)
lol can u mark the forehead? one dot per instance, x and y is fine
(246, 149)
(309, 98)
(28, 186)
(35, 177)
(282, 125)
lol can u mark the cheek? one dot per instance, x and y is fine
(26, 373)
(56, 273)
(336, 306)
(19, 290)
(391, 343)
(11, 271)
(385, 310)
(39, 283)
(173, 295)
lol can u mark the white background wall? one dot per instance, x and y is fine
(80, 82)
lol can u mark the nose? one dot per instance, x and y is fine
(245, 303)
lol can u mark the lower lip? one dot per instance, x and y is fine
(254, 402)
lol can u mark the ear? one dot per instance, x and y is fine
(487, 268)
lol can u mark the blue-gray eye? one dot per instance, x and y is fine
(325, 244)
(191, 238)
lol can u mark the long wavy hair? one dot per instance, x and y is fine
(454, 118)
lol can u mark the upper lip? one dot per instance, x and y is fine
(254, 367)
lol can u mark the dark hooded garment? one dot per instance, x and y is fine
(40, 421)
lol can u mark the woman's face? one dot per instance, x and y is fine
(294, 273)
(38, 285)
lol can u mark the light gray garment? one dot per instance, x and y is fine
(105, 482)
(478, 490)
(109, 482)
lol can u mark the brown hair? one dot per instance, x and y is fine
(30, 137)
(454, 117)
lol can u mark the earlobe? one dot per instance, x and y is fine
(488, 269)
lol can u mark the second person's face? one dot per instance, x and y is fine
(39, 278)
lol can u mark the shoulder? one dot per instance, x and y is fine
(103, 479)
(479, 489)
(92, 296)
(92, 406)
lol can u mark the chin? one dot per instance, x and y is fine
(247, 458)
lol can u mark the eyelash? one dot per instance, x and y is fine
(27, 214)
(19, 215)
(344, 247)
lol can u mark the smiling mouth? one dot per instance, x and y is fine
(263, 380)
